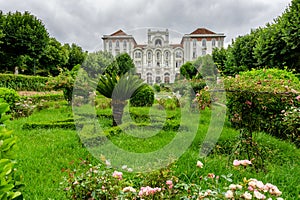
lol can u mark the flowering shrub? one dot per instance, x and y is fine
(291, 123)
(203, 98)
(257, 98)
(103, 183)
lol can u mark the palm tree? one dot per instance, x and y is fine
(119, 89)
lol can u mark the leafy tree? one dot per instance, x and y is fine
(54, 57)
(188, 70)
(290, 24)
(25, 40)
(96, 63)
(219, 58)
(269, 50)
(119, 89)
(76, 56)
(121, 65)
(240, 55)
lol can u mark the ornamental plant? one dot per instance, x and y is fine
(9, 182)
(255, 102)
(103, 182)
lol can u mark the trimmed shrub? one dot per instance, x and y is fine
(9, 96)
(23, 82)
(257, 99)
(143, 98)
(66, 124)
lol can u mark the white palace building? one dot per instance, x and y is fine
(159, 61)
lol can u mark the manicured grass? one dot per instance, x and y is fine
(42, 153)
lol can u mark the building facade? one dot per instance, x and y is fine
(159, 61)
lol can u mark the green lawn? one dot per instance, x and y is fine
(44, 153)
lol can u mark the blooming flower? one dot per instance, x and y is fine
(247, 195)
(232, 186)
(129, 189)
(117, 175)
(210, 175)
(146, 191)
(199, 164)
(229, 194)
(169, 183)
(298, 98)
(245, 162)
(241, 162)
(259, 195)
(236, 163)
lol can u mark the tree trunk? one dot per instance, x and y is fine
(117, 109)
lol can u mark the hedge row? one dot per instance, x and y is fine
(23, 82)
(65, 124)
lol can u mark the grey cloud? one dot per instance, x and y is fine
(84, 21)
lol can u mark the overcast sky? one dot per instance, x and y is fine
(85, 21)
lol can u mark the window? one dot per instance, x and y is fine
(194, 43)
(203, 52)
(149, 56)
(117, 44)
(167, 78)
(167, 55)
(149, 78)
(138, 64)
(138, 54)
(204, 43)
(167, 63)
(178, 54)
(158, 55)
(124, 45)
(220, 43)
(110, 45)
(158, 42)
(213, 43)
(157, 80)
(194, 54)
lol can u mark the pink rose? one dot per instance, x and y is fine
(236, 163)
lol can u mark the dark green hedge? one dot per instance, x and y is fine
(23, 82)
(66, 124)
(144, 98)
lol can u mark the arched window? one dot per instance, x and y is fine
(138, 54)
(149, 78)
(167, 54)
(213, 43)
(124, 44)
(117, 44)
(158, 42)
(158, 55)
(149, 55)
(166, 78)
(194, 43)
(204, 43)
(178, 54)
(110, 45)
